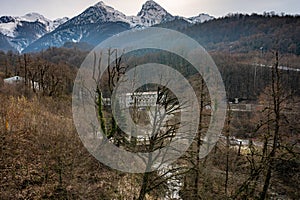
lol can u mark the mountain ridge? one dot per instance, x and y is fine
(19, 32)
(81, 27)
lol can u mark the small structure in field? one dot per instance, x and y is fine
(18, 80)
(14, 80)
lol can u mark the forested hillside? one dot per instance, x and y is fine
(257, 153)
(244, 33)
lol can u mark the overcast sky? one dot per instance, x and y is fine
(60, 8)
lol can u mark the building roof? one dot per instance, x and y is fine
(13, 79)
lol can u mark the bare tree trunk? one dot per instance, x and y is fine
(276, 109)
(227, 152)
(25, 70)
(199, 143)
(239, 150)
(144, 187)
(6, 68)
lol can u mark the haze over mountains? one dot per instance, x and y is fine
(34, 32)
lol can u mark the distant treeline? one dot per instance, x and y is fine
(242, 76)
(244, 33)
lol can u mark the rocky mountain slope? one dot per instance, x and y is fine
(101, 21)
(19, 32)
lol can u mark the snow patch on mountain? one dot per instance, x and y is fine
(36, 17)
(33, 17)
(56, 23)
(201, 18)
(9, 24)
(8, 29)
(19, 32)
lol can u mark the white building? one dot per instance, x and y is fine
(19, 79)
(139, 99)
(14, 79)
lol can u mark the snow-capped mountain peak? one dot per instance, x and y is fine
(33, 31)
(152, 13)
(9, 24)
(103, 6)
(100, 4)
(32, 17)
(98, 13)
(22, 31)
(36, 17)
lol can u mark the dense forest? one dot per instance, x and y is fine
(235, 68)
